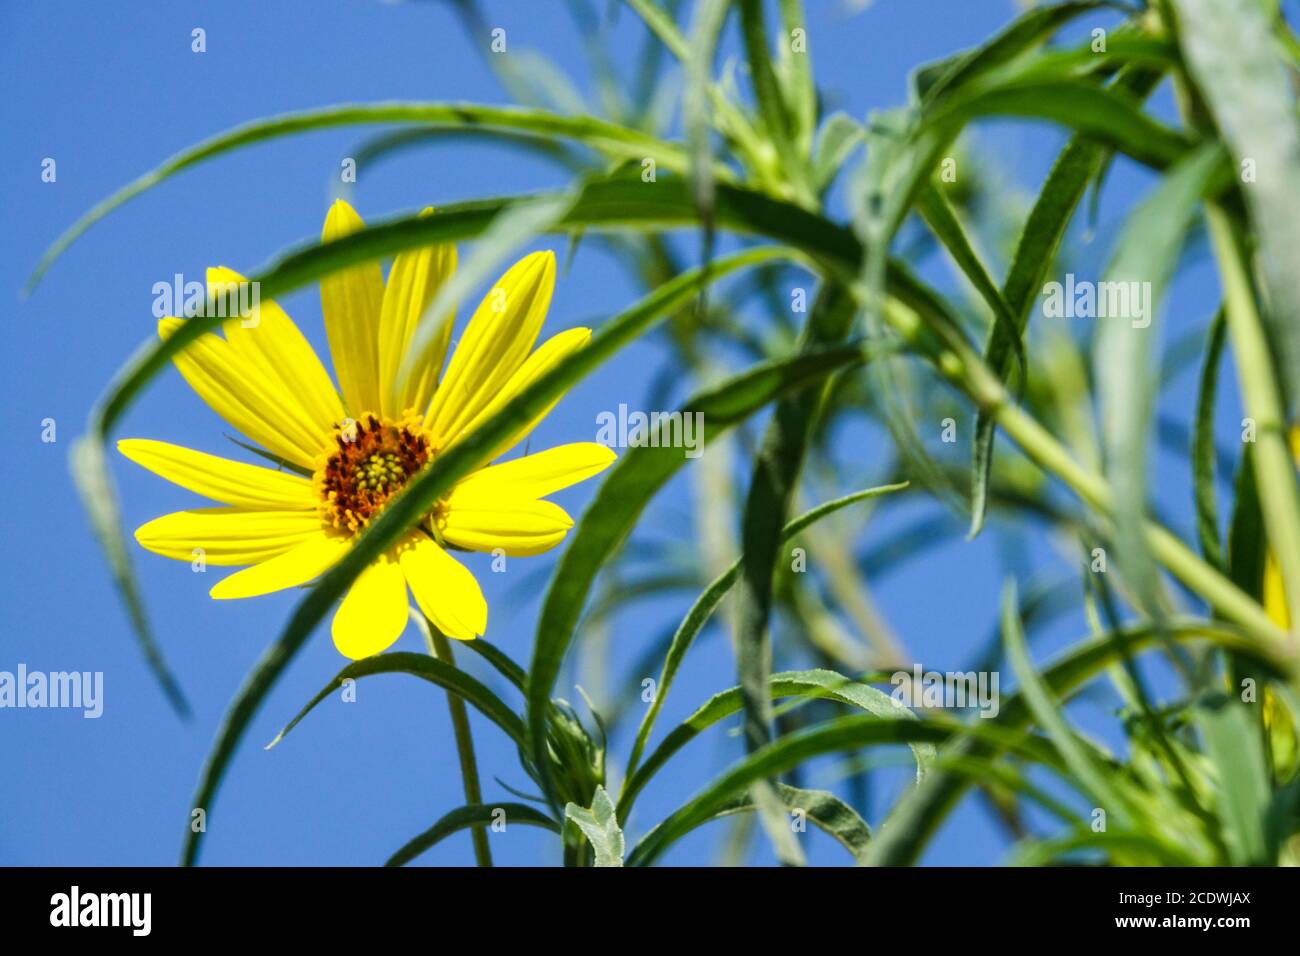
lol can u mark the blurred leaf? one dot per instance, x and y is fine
(1230, 52)
(462, 818)
(836, 140)
(1146, 258)
(918, 814)
(1233, 744)
(932, 80)
(1036, 250)
(600, 827)
(1204, 452)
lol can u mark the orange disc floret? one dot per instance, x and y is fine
(372, 460)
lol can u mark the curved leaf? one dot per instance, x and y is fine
(444, 675)
(462, 818)
(608, 137)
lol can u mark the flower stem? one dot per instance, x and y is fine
(440, 648)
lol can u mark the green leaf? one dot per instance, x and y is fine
(1236, 750)
(419, 495)
(1047, 713)
(631, 483)
(778, 123)
(805, 684)
(914, 819)
(822, 808)
(931, 81)
(1077, 165)
(600, 827)
(1204, 452)
(707, 603)
(1147, 258)
(943, 222)
(838, 137)
(437, 672)
(462, 818)
(1230, 52)
(607, 137)
(94, 484)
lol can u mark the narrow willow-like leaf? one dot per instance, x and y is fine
(1231, 54)
(914, 819)
(93, 481)
(639, 473)
(796, 75)
(778, 123)
(842, 733)
(1103, 114)
(1144, 264)
(1204, 451)
(1077, 165)
(943, 222)
(1030, 29)
(821, 808)
(503, 664)
(444, 675)
(600, 826)
(419, 495)
(1048, 715)
(806, 684)
(707, 603)
(599, 134)
(1236, 751)
(462, 818)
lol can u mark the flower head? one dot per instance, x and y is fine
(346, 455)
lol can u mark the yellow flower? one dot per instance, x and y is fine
(360, 449)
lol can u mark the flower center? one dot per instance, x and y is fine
(372, 459)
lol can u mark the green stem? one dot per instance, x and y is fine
(966, 369)
(440, 648)
(1274, 467)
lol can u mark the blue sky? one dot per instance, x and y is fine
(108, 92)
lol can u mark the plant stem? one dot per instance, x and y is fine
(440, 648)
(1274, 467)
(967, 370)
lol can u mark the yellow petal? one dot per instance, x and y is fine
(518, 526)
(350, 303)
(243, 395)
(536, 476)
(303, 563)
(270, 339)
(414, 279)
(373, 612)
(548, 355)
(496, 342)
(445, 590)
(230, 482)
(228, 536)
